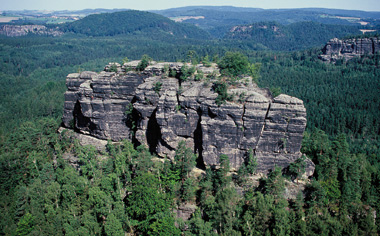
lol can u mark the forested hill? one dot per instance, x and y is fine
(132, 23)
(300, 35)
(218, 20)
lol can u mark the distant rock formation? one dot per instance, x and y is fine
(22, 30)
(156, 110)
(347, 49)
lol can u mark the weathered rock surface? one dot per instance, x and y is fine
(185, 211)
(153, 109)
(347, 49)
(22, 30)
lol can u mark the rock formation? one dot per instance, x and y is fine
(347, 49)
(22, 30)
(156, 110)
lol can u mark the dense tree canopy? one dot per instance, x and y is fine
(43, 193)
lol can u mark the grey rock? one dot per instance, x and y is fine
(185, 211)
(22, 30)
(125, 105)
(347, 49)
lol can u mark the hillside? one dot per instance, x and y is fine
(184, 148)
(125, 190)
(218, 20)
(300, 35)
(132, 23)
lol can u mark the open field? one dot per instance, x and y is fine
(6, 19)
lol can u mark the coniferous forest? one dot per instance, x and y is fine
(127, 190)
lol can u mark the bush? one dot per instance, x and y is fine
(157, 87)
(221, 89)
(234, 64)
(144, 63)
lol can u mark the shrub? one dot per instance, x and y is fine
(144, 63)
(234, 64)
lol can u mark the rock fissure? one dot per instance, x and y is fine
(161, 122)
(263, 127)
(198, 141)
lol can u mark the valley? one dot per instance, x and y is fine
(190, 121)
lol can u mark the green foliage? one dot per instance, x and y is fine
(113, 68)
(206, 61)
(25, 225)
(113, 226)
(165, 71)
(275, 91)
(302, 75)
(184, 160)
(251, 162)
(257, 215)
(173, 73)
(124, 190)
(177, 108)
(254, 72)
(157, 87)
(295, 36)
(220, 88)
(148, 204)
(192, 57)
(224, 213)
(132, 22)
(187, 72)
(144, 63)
(248, 167)
(234, 64)
(242, 97)
(125, 60)
(297, 168)
(198, 226)
(199, 75)
(274, 184)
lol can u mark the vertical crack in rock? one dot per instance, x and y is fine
(153, 133)
(81, 122)
(132, 120)
(243, 127)
(286, 137)
(263, 128)
(198, 141)
(238, 139)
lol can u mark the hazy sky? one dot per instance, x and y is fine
(367, 5)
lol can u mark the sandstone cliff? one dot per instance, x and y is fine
(156, 110)
(22, 30)
(347, 49)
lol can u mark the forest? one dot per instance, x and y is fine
(295, 36)
(127, 189)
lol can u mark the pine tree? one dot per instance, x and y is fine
(25, 225)
(113, 226)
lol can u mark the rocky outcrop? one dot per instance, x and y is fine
(22, 30)
(159, 111)
(347, 49)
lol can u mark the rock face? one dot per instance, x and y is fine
(158, 111)
(347, 49)
(22, 30)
